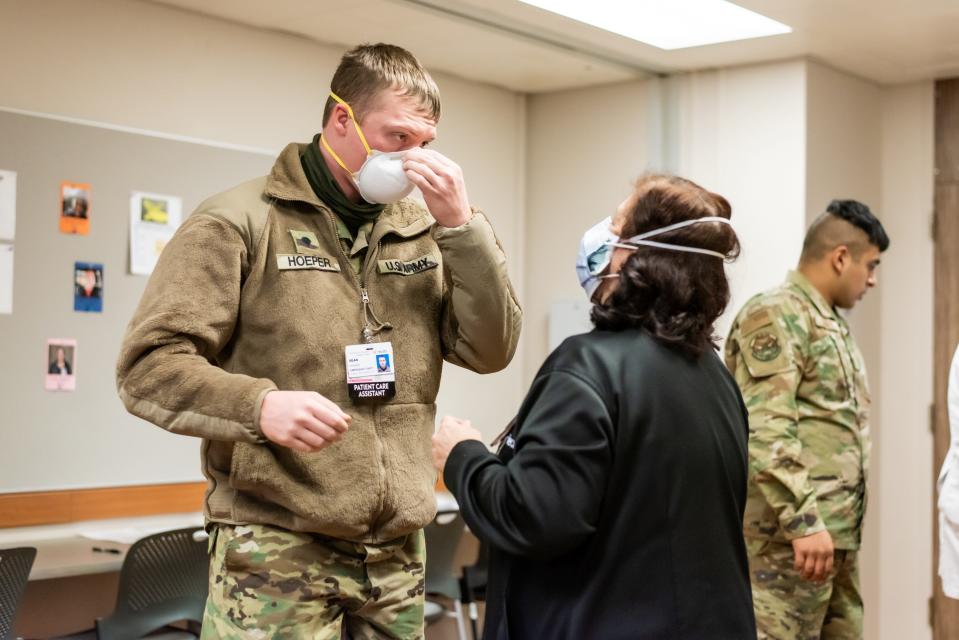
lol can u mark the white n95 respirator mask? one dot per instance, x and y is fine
(381, 179)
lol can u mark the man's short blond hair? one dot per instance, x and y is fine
(369, 69)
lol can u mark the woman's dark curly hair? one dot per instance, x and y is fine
(675, 296)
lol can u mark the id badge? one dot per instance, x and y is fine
(370, 371)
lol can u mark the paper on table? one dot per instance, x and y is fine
(6, 278)
(130, 534)
(446, 502)
(8, 205)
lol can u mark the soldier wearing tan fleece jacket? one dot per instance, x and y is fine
(228, 325)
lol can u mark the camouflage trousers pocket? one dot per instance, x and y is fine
(267, 582)
(788, 607)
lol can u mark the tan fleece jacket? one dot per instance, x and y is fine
(225, 318)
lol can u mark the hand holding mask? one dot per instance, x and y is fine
(441, 182)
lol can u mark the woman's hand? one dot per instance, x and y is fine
(451, 432)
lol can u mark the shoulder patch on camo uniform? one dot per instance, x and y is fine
(763, 344)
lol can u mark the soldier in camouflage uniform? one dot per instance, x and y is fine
(804, 383)
(252, 334)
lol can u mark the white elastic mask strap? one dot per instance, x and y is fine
(641, 238)
(671, 247)
(678, 225)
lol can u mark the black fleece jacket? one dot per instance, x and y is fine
(614, 506)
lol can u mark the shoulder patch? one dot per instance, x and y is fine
(765, 350)
(765, 346)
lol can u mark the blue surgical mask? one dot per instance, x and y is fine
(595, 252)
(596, 249)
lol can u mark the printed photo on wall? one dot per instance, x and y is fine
(88, 287)
(61, 365)
(75, 208)
(153, 220)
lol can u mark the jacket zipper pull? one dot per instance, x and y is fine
(367, 328)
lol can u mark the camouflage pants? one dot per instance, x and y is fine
(267, 582)
(790, 608)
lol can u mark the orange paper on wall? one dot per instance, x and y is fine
(75, 208)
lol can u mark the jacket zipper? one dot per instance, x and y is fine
(360, 283)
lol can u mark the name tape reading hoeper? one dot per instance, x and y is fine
(371, 371)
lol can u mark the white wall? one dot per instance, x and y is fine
(843, 161)
(875, 144)
(585, 147)
(140, 65)
(741, 132)
(149, 66)
(904, 444)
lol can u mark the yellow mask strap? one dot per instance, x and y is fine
(349, 110)
(335, 157)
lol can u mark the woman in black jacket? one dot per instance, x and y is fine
(614, 505)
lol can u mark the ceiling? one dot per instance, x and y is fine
(523, 48)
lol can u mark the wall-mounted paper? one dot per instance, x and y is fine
(6, 278)
(87, 287)
(8, 204)
(61, 365)
(153, 220)
(75, 208)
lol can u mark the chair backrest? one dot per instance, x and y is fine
(164, 579)
(442, 539)
(15, 567)
(473, 582)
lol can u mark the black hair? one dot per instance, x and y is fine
(859, 215)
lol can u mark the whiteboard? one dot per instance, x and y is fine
(63, 440)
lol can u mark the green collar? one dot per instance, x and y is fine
(318, 174)
(815, 296)
(358, 241)
(288, 182)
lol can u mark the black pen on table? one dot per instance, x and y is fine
(107, 550)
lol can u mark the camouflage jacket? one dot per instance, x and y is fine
(804, 383)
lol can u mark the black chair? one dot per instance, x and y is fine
(473, 586)
(164, 579)
(443, 536)
(15, 567)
